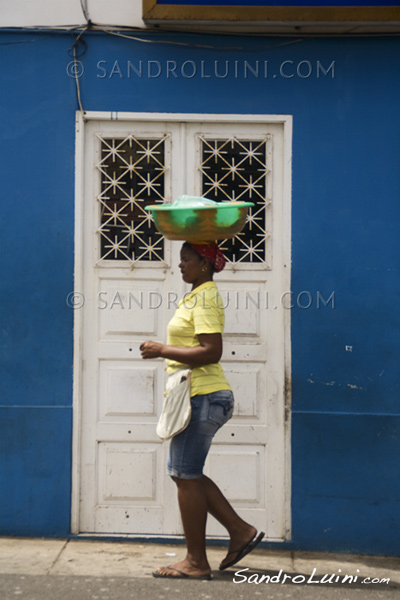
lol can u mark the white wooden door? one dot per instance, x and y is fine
(130, 282)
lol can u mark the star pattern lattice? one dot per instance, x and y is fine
(132, 172)
(234, 170)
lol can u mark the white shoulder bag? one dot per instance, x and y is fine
(177, 410)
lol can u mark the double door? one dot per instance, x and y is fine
(130, 281)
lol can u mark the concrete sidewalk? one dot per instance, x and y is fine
(47, 569)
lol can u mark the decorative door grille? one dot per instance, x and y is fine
(234, 170)
(132, 172)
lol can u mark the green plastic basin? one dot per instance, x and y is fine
(198, 224)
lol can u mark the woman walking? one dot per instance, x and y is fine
(195, 341)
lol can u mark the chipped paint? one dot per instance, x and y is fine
(332, 383)
(354, 387)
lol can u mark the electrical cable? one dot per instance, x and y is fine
(85, 10)
(198, 45)
(116, 30)
(36, 40)
(75, 56)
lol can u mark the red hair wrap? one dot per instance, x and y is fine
(213, 253)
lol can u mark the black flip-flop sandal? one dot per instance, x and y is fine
(244, 550)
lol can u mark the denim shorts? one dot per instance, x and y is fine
(188, 450)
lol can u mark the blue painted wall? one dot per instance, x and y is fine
(344, 98)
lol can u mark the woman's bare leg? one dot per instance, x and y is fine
(218, 506)
(196, 497)
(193, 507)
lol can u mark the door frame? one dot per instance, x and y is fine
(76, 300)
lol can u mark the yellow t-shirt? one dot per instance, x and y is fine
(200, 311)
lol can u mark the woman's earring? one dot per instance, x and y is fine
(204, 269)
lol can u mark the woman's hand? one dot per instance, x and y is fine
(151, 349)
(208, 352)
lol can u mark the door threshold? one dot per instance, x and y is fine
(169, 539)
(143, 538)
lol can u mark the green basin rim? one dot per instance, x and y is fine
(217, 207)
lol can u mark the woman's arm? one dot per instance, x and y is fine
(209, 351)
